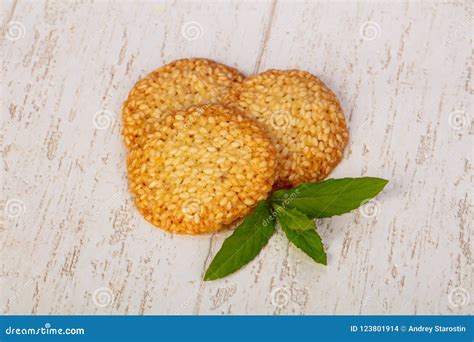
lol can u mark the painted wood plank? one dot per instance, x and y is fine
(71, 240)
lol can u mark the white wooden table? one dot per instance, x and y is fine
(72, 241)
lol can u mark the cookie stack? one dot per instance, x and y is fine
(206, 144)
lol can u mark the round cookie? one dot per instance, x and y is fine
(303, 118)
(201, 169)
(175, 86)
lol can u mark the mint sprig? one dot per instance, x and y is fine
(301, 231)
(292, 218)
(331, 197)
(295, 210)
(308, 241)
(244, 244)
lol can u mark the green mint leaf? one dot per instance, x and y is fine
(330, 197)
(293, 218)
(308, 241)
(244, 244)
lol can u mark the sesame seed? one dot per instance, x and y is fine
(188, 191)
(175, 86)
(301, 116)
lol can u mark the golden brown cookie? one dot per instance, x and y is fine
(175, 86)
(303, 118)
(202, 168)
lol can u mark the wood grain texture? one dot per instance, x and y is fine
(71, 240)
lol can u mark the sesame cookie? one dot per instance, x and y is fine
(303, 118)
(201, 169)
(175, 86)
